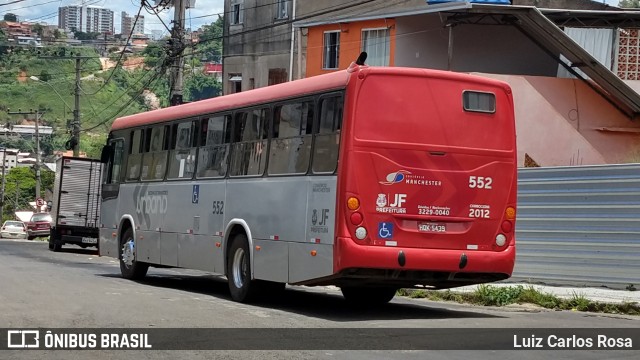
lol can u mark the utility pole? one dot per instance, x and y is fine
(17, 194)
(75, 140)
(75, 126)
(176, 50)
(4, 162)
(37, 165)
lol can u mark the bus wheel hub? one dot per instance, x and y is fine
(128, 253)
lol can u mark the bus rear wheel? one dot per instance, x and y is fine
(241, 286)
(130, 268)
(368, 295)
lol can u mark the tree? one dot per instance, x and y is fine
(210, 42)
(57, 34)
(10, 17)
(79, 35)
(38, 29)
(153, 55)
(200, 86)
(44, 75)
(629, 4)
(20, 186)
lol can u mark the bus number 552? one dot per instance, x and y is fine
(479, 182)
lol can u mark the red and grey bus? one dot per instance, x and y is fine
(370, 179)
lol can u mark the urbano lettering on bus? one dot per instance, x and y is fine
(154, 202)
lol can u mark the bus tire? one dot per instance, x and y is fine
(241, 286)
(130, 268)
(368, 295)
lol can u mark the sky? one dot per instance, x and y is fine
(47, 11)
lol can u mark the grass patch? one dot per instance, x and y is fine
(489, 295)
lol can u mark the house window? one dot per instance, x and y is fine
(376, 43)
(277, 76)
(281, 9)
(237, 12)
(331, 50)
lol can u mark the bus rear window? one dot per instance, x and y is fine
(479, 101)
(435, 112)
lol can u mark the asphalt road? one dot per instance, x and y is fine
(77, 289)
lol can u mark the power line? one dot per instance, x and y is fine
(30, 6)
(156, 74)
(123, 50)
(290, 21)
(256, 29)
(12, 2)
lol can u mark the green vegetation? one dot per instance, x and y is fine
(629, 4)
(10, 17)
(488, 295)
(101, 101)
(20, 185)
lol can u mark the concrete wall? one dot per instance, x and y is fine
(564, 122)
(253, 53)
(350, 43)
(422, 41)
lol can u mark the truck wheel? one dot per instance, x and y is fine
(54, 242)
(242, 288)
(368, 295)
(129, 267)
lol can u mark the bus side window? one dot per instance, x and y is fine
(290, 149)
(135, 156)
(115, 165)
(327, 137)
(182, 157)
(251, 139)
(154, 162)
(213, 157)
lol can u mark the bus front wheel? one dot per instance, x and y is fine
(368, 295)
(241, 286)
(129, 267)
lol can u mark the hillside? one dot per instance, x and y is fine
(54, 94)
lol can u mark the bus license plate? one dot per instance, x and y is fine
(432, 227)
(88, 240)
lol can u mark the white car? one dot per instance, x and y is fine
(13, 230)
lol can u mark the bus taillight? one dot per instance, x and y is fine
(510, 213)
(507, 226)
(356, 218)
(353, 203)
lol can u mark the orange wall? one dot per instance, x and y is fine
(350, 43)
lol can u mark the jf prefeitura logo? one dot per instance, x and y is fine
(41, 340)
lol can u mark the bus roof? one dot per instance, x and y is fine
(332, 81)
(326, 82)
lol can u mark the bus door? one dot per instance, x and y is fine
(112, 157)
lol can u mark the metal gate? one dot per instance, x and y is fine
(579, 225)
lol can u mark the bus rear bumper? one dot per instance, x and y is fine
(439, 268)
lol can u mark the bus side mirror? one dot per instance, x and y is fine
(107, 153)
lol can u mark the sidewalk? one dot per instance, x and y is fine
(595, 294)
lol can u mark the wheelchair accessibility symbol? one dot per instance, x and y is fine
(385, 230)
